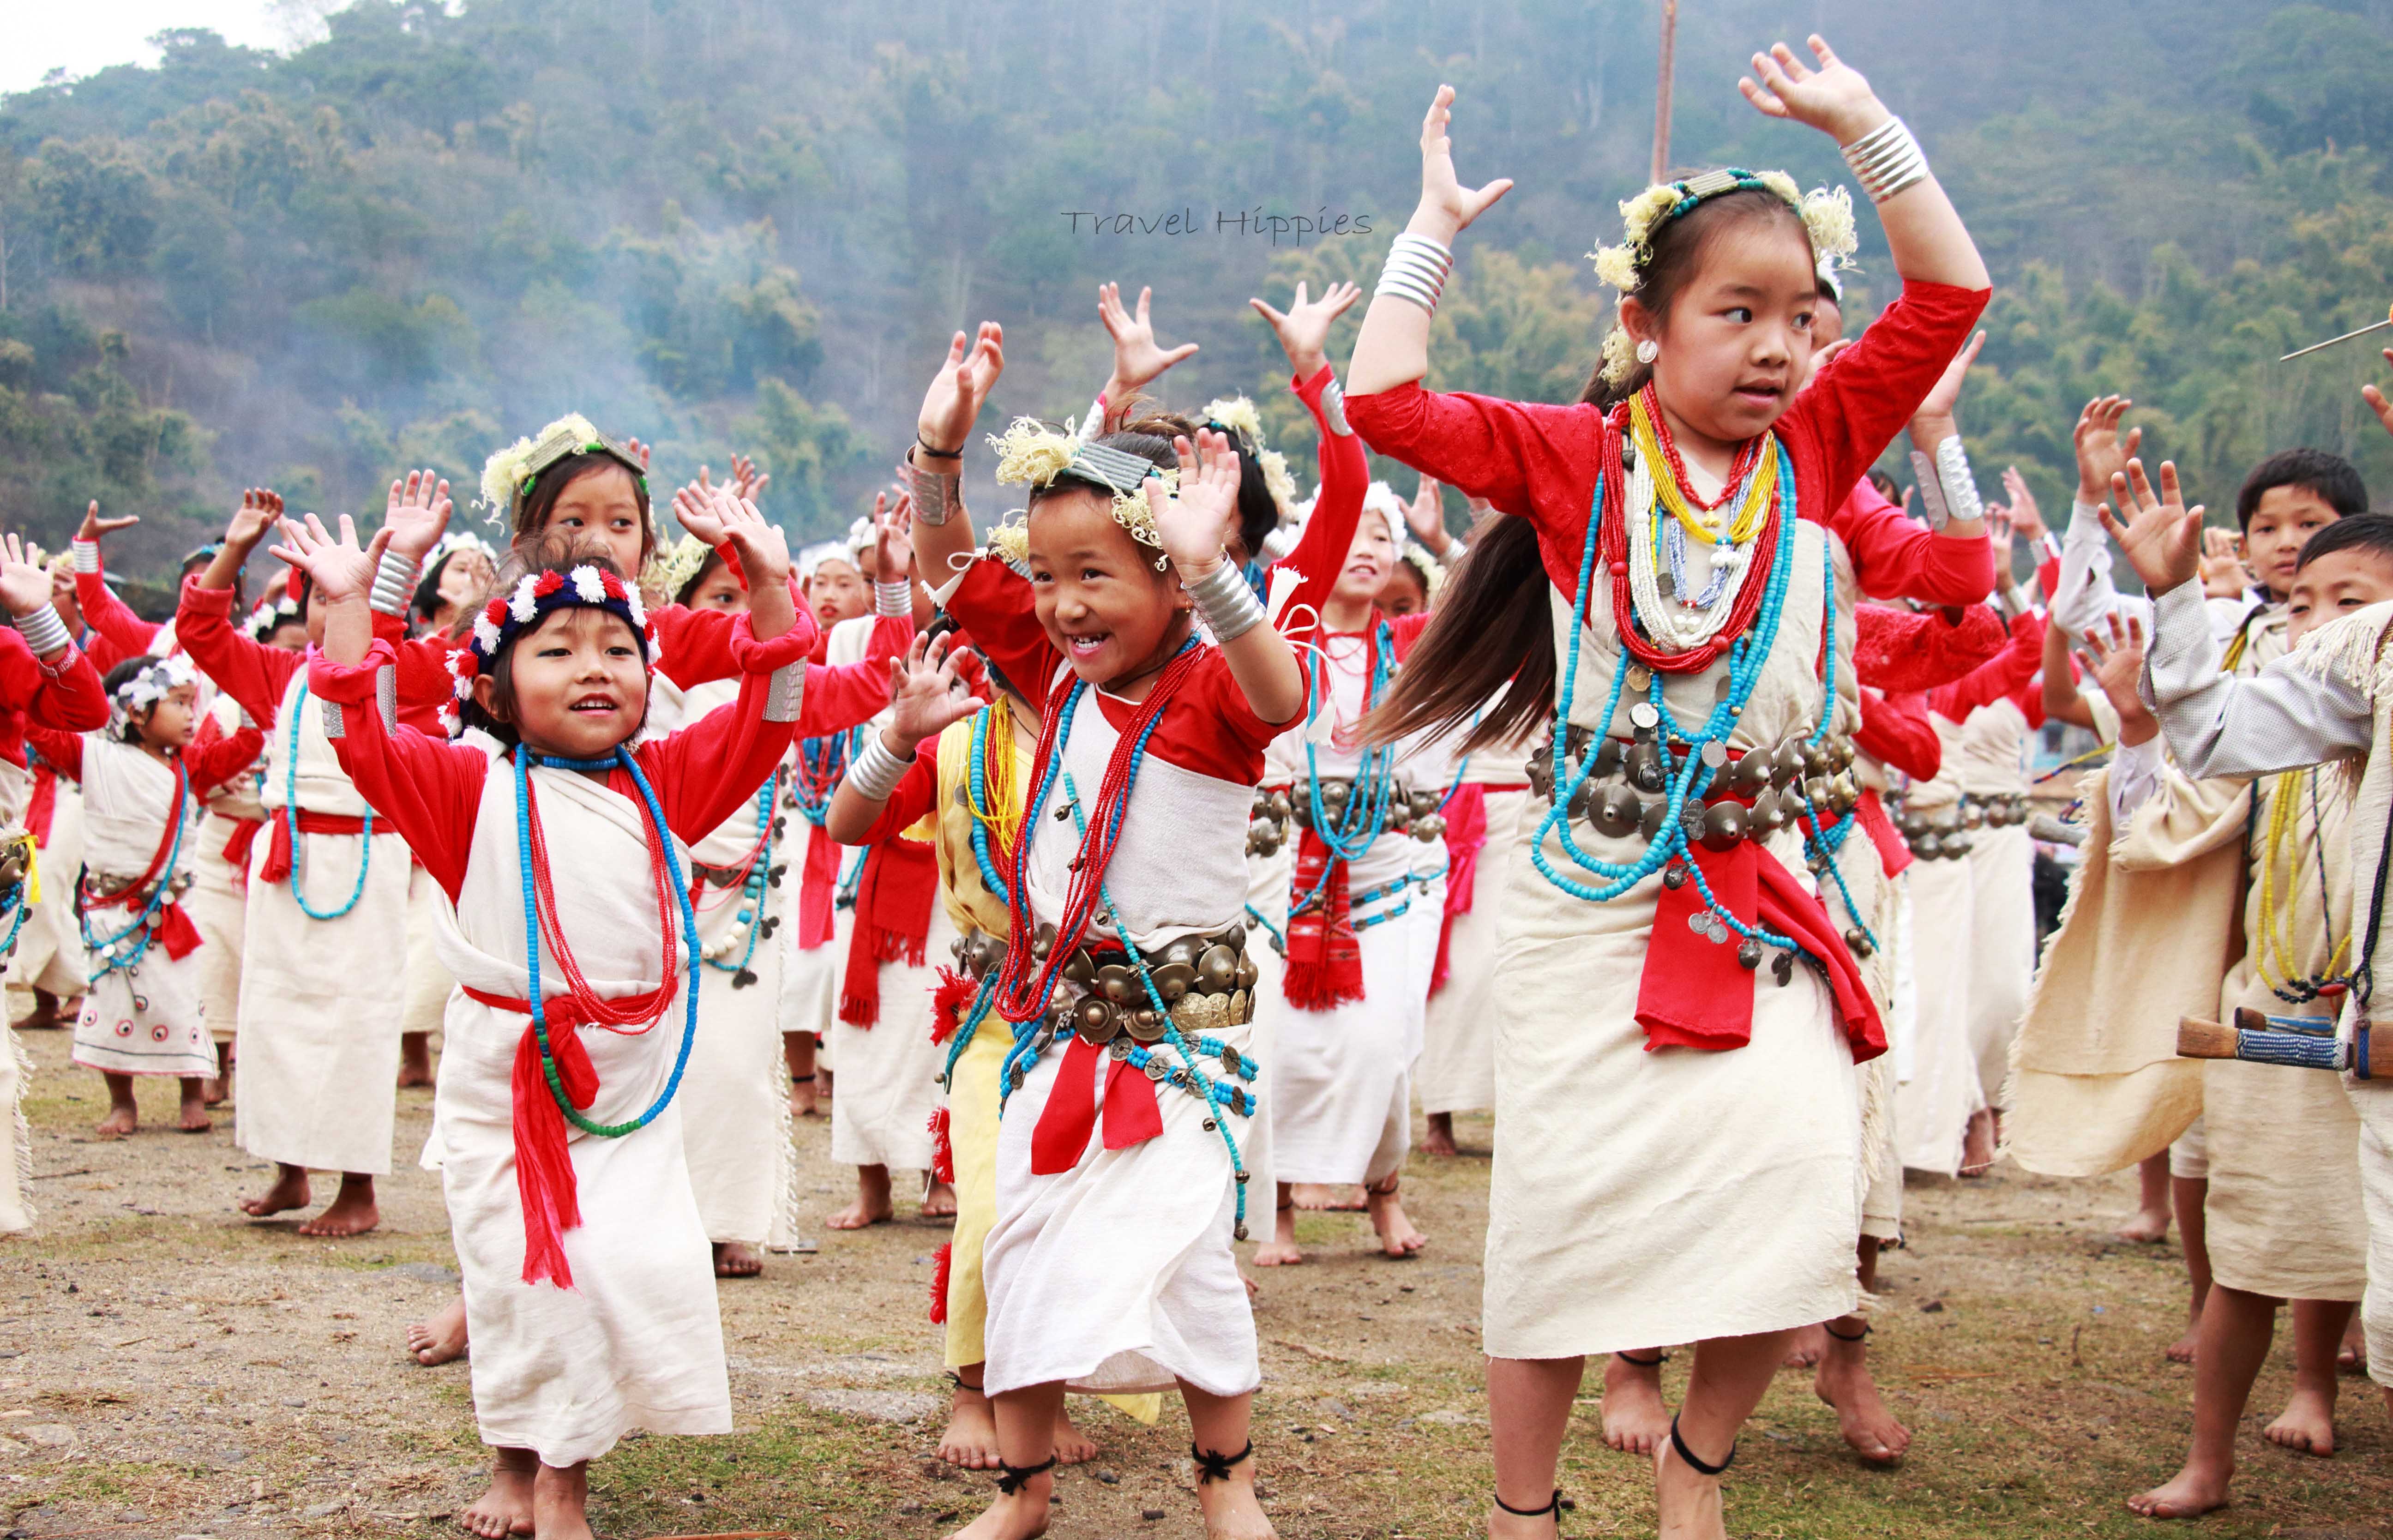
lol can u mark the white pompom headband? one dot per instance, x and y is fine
(537, 596)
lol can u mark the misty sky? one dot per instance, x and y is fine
(92, 34)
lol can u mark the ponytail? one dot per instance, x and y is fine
(1492, 631)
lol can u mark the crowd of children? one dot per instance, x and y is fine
(1162, 844)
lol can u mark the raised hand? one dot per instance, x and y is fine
(1195, 521)
(763, 550)
(416, 514)
(2117, 647)
(746, 481)
(952, 404)
(259, 511)
(2223, 575)
(2160, 536)
(1304, 331)
(93, 527)
(1833, 99)
(1425, 516)
(24, 581)
(1998, 538)
(339, 570)
(1137, 357)
(697, 509)
(1450, 205)
(2376, 401)
(893, 537)
(639, 451)
(925, 696)
(2026, 517)
(2102, 453)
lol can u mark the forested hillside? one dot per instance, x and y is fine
(720, 224)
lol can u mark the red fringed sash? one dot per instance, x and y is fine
(237, 848)
(893, 921)
(818, 887)
(946, 1254)
(1893, 851)
(1325, 960)
(43, 804)
(175, 930)
(1466, 836)
(1065, 1124)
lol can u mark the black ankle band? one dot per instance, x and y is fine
(1840, 1336)
(802, 1079)
(1553, 1505)
(1214, 1466)
(1656, 1361)
(1011, 1478)
(1695, 1463)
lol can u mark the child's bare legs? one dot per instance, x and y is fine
(871, 1206)
(351, 1212)
(1806, 1346)
(1280, 1250)
(506, 1508)
(1528, 1413)
(2149, 1224)
(193, 1115)
(1844, 1380)
(1026, 1439)
(1635, 1418)
(1977, 1143)
(1439, 1140)
(415, 1058)
(49, 1012)
(798, 1052)
(290, 1190)
(1219, 1426)
(215, 1091)
(124, 1115)
(1399, 1236)
(442, 1338)
(2352, 1356)
(1732, 1373)
(971, 1438)
(2308, 1421)
(2234, 1343)
(560, 1502)
(2188, 1194)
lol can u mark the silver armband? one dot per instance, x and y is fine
(2015, 601)
(1227, 602)
(1417, 270)
(892, 600)
(1887, 160)
(785, 692)
(937, 497)
(44, 631)
(1333, 406)
(877, 770)
(1947, 490)
(394, 585)
(86, 555)
(336, 722)
(387, 697)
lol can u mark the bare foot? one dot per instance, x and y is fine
(1978, 1145)
(1021, 1515)
(351, 1212)
(802, 1101)
(822, 1084)
(1280, 1250)
(289, 1192)
(733, 1260)
(1399, 1237)
(1231, 1511)
(2307, 1425)
(1688, 1501)
(2352, 1357)
(939, 1203)
(121, 1121)
(2191, 1494)
(1072, 1446)
(442, 1338)
(871, 1206)
(414, 1059)
(1439, 1137)
(506, 1510)
(560, 1503)
(1340, 1197)
(1635, 1419)
(194, 1111)
(212, 1091)
(1811, 1345)
(2182, 1350)
(971, 1438)
(1844, 1382)
(2149, 1227)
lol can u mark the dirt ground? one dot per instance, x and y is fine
(170, 1368)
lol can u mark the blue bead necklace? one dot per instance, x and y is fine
(105, 958)
(291, 822)
(752, 888)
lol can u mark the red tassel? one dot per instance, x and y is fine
(949, 1004)
(943, 1149)
(544, 1183)
(1318, 987)
(939, 1285)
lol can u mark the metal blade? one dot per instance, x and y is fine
(2332, 341)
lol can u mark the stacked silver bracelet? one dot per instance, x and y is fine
(1415, 270)
(1227, 602)
(86, 555)
(938, 497)
(1333, 408)
(1887, 160)
(1947, 489)
(891, 600)
(394, 584)
(2015, 601)
(44, 631)
(877, 770)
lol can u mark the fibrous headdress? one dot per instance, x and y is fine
(1236, 416)
(509, 475)
(1032, 454)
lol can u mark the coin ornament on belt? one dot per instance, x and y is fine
(1642, 714)
(1156, 1070)
(1715, 753)
(1640, 678)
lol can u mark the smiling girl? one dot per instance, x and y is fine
(1681, 1155)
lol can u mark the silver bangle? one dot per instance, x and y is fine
(1887, 160)
(892, 600)
(86, 555)
(394, 585)
(1227, 602)
(1960, 486)
(1931, 492)
(937, 497)
(877, 771)
(44, 631)
(1333, 408)
(1415, 270)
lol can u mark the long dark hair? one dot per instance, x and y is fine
(1484, 637)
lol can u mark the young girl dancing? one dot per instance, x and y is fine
(1119, 1190)
(142, 1014)
(588, 1289)
(1705, 686)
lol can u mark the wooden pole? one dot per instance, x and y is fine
(1662, 89)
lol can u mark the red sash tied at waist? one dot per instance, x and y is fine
(277, 853)
(238, 844)
(1065, 1124)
